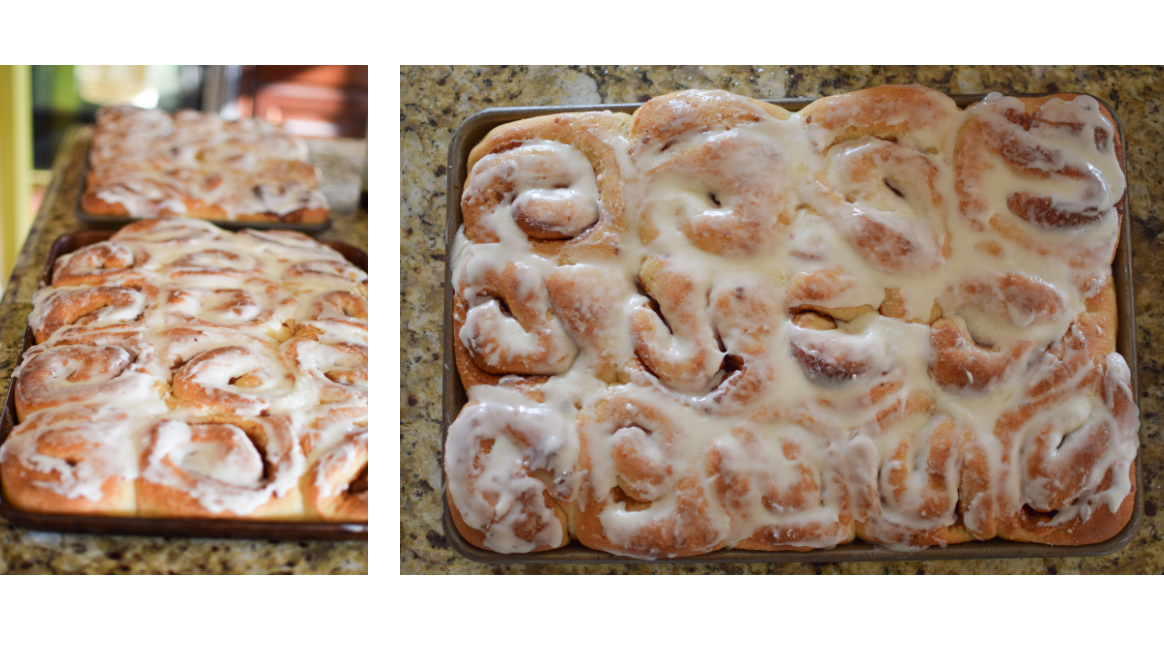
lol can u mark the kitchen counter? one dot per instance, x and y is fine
(27, 551)
(434, 101)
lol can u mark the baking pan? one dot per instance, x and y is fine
(170, 527)
(96, 221)
(474, 129)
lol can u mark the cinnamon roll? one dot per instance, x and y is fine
(74, 460)
(222, 374)
(641, 499)
(1044, 174)
(240, 468)
(715, 168)
(508, 467)
(92, 366)
(253, 305)
(337, 484)
(54, 309)
(551, 185)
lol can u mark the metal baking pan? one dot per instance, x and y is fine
(96, 221)
(169, 527)
(474, 129)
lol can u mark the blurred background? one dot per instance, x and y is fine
(39, 103)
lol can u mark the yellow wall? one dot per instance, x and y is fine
(15, 163)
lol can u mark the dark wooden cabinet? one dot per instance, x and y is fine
(308, 101)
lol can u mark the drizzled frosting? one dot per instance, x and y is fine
(756, 425)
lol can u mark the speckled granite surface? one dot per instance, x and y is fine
(26, 551)
(434, 101)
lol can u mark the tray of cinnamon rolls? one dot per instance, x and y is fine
(889, 324)
(180, 379)
(146, 163)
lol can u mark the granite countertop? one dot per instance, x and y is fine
(434, 101)
(27, 551)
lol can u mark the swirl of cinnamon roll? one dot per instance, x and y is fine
(503, 319)
(744, 308)
(715, 169)
(342, 315)
(831, 292)
(254, 305)
(227, 381)
(74, 460)
(99, 264)
(106, 366)
(886, 201)
(339, 371)
(285, 246)
(903, 474)
(216, 261)
(591, 302)
(881, 182)
(242, 468)
(307, 274)
(1022, 300)
(676, 343)
(336, 486)
(1043, 173)
(917, 117)
(781, 484)
(551, 182)
(1068, 373)
(641, 498)
(1002, 304)
(54, 309)
(832, 359)
(508, 467)
(959, 362)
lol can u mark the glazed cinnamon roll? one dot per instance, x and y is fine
(336, 486)
(641, 498)
(338, 371)
(552, 185)
(169, 231)
(241, 468)
(220, 373)
(253, 305)
(781, 482)
(1043, 173)
(508, 467)
(92, 366)
(74, 460)
(503, 318)
(903, 473)
(341, 314)
(54, 309)
(715, 168)
(881, 181)
(97, 265)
